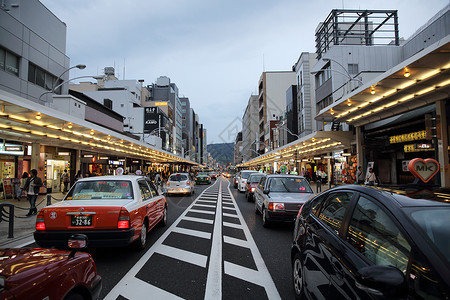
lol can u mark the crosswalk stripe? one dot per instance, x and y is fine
(196, 233)
(234, 241)
(186, 256)
(199, 220)
(202, 211)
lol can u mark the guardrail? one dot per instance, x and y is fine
(8, 216)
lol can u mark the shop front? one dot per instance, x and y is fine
(54, 168)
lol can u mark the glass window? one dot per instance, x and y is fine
(102, 189)
(2, 58)
(333, 210)
(153, 189)
(40, 77)
(353, 69)
(373, 233)
(145, 190)
(290, 185)
(48, 82)
(31, 73)
(178, 177)
(12, 63)
(262, 183)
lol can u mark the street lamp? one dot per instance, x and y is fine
(350, 77)
(288, 131)
(62, 83)
(80, 66)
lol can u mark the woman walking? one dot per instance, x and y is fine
(32, 186)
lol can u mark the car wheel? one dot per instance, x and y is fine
(74, 296)
(256, 209)
(265, 221)
(142, 240)
(297, 277)
(163, 221)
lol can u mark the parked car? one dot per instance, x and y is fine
(243, 179)
(252, 182)
(110, 210)
(203, 177)
(236, 179)
(279, 197)
(39, 273)
(357, 242)
(180, 183)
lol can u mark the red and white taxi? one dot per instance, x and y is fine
(110, 210)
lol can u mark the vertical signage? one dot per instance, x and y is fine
(151, 119)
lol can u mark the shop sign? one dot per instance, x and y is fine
(424, 169)
(417, 147)
(12, 149)
(408, 137)
(58, 157)
(114, 162)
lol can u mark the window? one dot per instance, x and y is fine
(333, 210)
(9, 62)
(145, 190)
(353, 69)
(153, 189)
(108, 103)
(43, 78)
(374, 235)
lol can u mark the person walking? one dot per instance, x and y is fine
(32, 186)
(359, 176)
(78, 176)
(23, 180)
(65, 180)
(319, 180)
(371, 178)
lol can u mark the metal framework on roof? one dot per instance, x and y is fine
(357, 27)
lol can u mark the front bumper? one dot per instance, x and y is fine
(96, 238)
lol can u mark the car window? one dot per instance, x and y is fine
(434, 223)
(289, 185)
(178, 177)
(254, 178)
(333, 209)
(246, 174)
(152, 187)
(145, 190)
(262, 182)
(101, 189)
(373, 233)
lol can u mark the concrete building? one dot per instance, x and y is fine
(238, 158)
(272, 88)
(187, 127)
(250, 129)
(33, 56)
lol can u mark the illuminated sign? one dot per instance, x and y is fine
(408, 137)
(12, 149)
(63, 153)
(88, 155)
(417, 147)
(160, 103)
(424, 169)
(103, 157)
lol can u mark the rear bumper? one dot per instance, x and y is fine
(96, 238)
(282, 216)
(96, 287)
(171, 190)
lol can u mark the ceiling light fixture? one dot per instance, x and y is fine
(372, 90)
(69, 125)
(406, 74)
(38, 116)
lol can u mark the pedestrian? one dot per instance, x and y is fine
(319, 180)
(359, 176)
(78, 176)
(23, 180)
(32, 186)
(65, 180)
(157, 179)
(371, 178)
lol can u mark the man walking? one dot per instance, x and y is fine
(359, 176)
(32, 186)
(65, 180)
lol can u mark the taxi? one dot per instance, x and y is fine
(112, 211)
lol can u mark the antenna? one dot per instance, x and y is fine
(124, 68)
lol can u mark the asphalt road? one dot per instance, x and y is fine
(214, 246)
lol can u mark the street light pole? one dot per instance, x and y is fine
(346, 71)
(61, 84)
(80, 66)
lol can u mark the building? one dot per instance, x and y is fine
(272, 88)
(187, 127)
(238, 149)
(250, 129)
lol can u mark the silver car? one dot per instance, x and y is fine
(180, 183)
(279, 197)
(242, 180)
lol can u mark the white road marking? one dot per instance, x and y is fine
(187, 256)
(204, 205)
(203, 211)
(233, 241)
(137, 289)
(229, 215)
(213, 288)
(232, 225)
(199, 220)
(201, 234)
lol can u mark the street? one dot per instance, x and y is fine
(195, 258)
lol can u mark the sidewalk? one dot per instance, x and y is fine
(23, 226)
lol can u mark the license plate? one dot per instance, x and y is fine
(81, 220)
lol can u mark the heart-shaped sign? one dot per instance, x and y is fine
(424, 169)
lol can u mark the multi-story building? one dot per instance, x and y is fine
(250, 129)
(238, 158)
(272, 88)
(306, 107)
(187, 126)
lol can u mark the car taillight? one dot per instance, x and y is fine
(188, 182)
(252, 189)
(124, 219)
(40, 224)
(276, 206)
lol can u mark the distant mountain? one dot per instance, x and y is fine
(223, 153)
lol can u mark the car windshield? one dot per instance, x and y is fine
(254, 178)
(178, 177)
(245, 175)
(202, 174)
(289, 185)
(434, 223)
(102, 189)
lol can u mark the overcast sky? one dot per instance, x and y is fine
(214, 51)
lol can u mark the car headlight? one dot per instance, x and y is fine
(252, 189)
(275, 206)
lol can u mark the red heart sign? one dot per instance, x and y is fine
(424, 169)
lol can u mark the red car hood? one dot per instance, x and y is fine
(29, 261)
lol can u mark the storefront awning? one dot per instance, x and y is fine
(317, 143)
(421, 80)
(29, 122)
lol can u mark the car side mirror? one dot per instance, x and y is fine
(385, 281)
(76, 242)
(266, 192)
